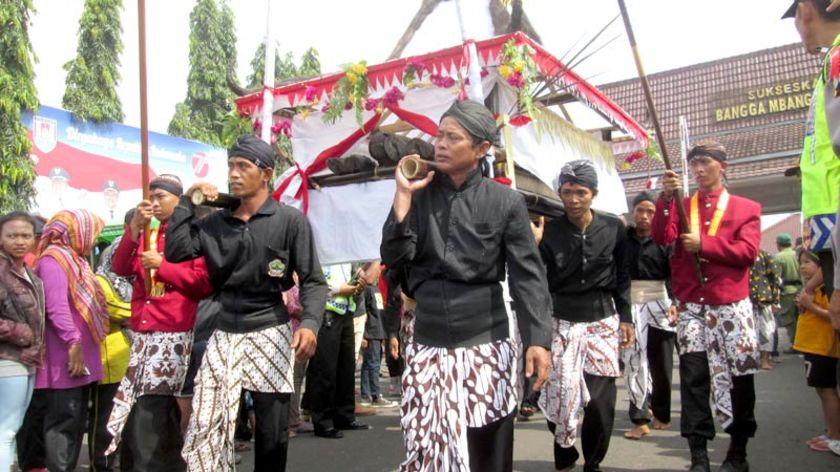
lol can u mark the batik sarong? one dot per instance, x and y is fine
(726, 333)
(577, 348)
(637, 374)
(765, 324)
(260, 361)
(446, 391)
(157, 365)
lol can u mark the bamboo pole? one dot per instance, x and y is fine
(660, 137)
(144, 129)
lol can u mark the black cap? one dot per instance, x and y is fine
(791, 11)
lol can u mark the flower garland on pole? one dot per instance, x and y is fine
(349, 93)
(519, 70)
(652, 151)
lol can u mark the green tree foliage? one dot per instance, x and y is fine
(310, 64)
(285, 67)
(255, 78)
(92, 77)
(212, 57)
(17, 93)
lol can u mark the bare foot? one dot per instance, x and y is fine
(766, 367)
(638, 432)
(660, 425)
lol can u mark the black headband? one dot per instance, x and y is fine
(168, 183)
(715, 154)
(253, 149)
(579, 172)
(476, 119)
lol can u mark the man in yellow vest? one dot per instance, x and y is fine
(820, 168)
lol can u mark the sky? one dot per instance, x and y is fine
(670, 34)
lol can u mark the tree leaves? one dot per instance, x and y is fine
(17, 93)
(93, 75)
(201, 115)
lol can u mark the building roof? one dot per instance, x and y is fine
(791, 225)
(756, 104)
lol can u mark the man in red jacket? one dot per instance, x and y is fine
(710, 277)
(145, 409)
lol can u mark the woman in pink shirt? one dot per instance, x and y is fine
(77, 322)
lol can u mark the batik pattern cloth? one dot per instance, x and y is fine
(448, 390)
(577, 348)
(157, 365)
(727, 334)
(259, 361)
(637, 374)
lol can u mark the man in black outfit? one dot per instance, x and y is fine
(251, 251)
(584, 254)
(457, 235)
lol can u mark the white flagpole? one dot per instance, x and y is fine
(268, 79)
(475, 91)
(684, 138)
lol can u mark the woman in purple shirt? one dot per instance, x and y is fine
(77, 322)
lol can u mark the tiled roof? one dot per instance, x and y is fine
(704, 92)
(790, 225)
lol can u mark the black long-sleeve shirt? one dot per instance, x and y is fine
(251, 263)
(587, 275)
(455, 244)
(647, 260)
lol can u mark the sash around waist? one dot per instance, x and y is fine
(645, 291)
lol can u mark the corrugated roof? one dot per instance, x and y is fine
(704, 93)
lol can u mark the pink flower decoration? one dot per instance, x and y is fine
(371, 103)
(516, 80)
(348, 105)
(257, 125)
(282, 127)
(442, 81)
(393, 96)
(310, 93)
(484, 72)
(325, 108)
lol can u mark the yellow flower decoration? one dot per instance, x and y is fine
(353, 78)
(359, 69)
(505, 71)
(518, 66)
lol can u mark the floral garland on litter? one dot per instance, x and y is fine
(652, 151)
(349, 93)
(518, 68)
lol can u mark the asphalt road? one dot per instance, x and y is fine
(788, 413)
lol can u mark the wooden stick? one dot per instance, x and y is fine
(144, 130)
(660, 137)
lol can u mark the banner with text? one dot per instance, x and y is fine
(82, 164)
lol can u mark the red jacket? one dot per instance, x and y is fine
(186, 283)
(725, 259)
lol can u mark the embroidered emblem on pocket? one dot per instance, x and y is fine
(276, 268)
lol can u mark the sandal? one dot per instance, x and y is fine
(819, 446)
(820, 438)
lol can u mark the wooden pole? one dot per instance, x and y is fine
(144, 129)
(660, 137)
